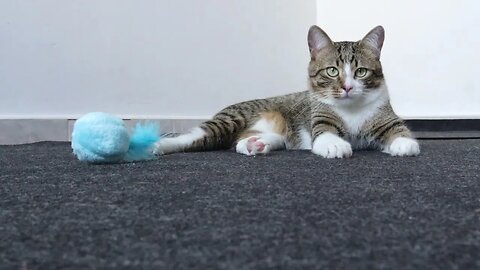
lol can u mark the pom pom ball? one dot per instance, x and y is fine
(103, 138)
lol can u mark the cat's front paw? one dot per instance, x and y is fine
(403, 146)
(329, 145)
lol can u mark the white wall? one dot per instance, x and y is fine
(188, 59)
(149, 58)
(431, 54)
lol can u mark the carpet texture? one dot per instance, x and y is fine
(221, 210)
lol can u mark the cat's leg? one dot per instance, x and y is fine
(394, 137)
(327, 130)
(223, 130)
(214, 134)
(267, 134)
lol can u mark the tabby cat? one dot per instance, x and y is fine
(347, 108)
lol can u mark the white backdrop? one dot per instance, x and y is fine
(188, 59)
(149, 58)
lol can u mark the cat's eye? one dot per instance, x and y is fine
(361, 72)
(332, 71)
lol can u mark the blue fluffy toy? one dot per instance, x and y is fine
(103, 138)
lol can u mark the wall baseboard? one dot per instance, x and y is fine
(445, 128)
(20, 131)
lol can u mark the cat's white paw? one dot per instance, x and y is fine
(252, 146)
(166, 146)
(329, 145)
(161, 147)
(403, 146)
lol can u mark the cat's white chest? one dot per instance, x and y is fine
(354, 119)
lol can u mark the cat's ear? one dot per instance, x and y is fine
(317, 40)
(374, 40)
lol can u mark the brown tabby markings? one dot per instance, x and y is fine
(386, 127)
(326, 120)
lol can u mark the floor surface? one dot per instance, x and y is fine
(221, 210)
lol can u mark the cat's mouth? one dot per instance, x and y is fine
(344, 95)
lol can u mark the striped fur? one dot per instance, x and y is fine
(347, 108)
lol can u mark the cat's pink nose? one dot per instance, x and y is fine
(347, 88)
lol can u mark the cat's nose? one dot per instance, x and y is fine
(347, 88)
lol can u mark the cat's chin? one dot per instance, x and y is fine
(350, 98)
(360, 101)
(349, 101)
(343, 101)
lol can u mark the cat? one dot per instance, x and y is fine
(347, 108)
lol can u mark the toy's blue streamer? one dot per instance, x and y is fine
(142, 142)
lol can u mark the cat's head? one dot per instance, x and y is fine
(346, 72)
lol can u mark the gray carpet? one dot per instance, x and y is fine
(221, 210)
